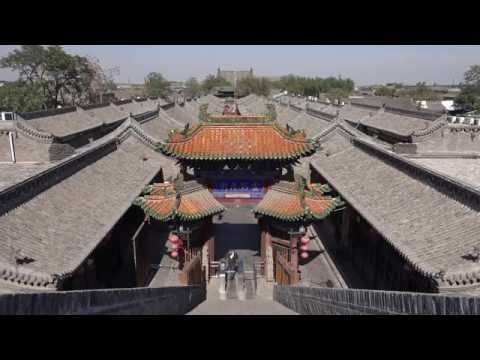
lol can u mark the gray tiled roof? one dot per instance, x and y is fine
(66, 122)
(379, 101)
(60, 226)
(160, 127)
(395, 123)
(431, 230)
(63, 124)
(464, 169)
(106, 114)
(183, 114)
(302, 121)
(11, 174)
(356, 114)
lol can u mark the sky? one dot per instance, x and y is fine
(365, 65)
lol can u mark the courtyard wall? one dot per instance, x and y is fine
(135, 301)
(327, 301)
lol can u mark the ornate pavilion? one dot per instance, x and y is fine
(240, 158)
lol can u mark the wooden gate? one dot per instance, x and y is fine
(285, 274)
(193, 273)
(283, 271)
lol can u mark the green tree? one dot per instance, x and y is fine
(20, 96)
(315, 86)
(469, 97)
(156, 85)
(251, 85)
(193, 87)
(386, 91)
(61, 78)
(212, 81)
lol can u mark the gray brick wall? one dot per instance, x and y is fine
(325, 301)
(136, 301)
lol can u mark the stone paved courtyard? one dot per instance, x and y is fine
(238, 229)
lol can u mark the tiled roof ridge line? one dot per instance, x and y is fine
(19, 193)
(34, 134)
(422, 114)
(342, 128)
(164, 113)
(463, 127)
(443, 155)
(409, 257)
(296, 108)
(25, 277)
(319, 114)
(324, 134)
(132, 127)
(384, 129)
(49, 112)
(94, 106)
(146, 116)
(368, 106)
(437, 125)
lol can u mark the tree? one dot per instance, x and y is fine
(156, 85)
(20, 96)
(212, 81)
(251, 85)
(102, 80)
(469, 97)
(61, 78)
(315, 86)
(193, 87)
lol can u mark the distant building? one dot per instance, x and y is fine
(234, 76)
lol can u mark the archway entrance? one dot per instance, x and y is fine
(237, 230)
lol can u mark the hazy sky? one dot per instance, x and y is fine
(363, 64)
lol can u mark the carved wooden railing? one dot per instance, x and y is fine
(192, 273)
(285, 274)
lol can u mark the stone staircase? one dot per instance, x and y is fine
(248, 294)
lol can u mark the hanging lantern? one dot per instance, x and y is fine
(305, 240)
(304, 247)
(174, 254)
(304, 255)
(175, 246)
(173, 238)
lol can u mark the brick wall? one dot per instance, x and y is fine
(325, 301)
(135, 301)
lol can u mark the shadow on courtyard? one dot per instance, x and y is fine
(237, 230)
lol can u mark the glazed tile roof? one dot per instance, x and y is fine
(212, 141)
(287, 202)
(163, 202)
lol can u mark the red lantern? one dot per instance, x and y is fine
(304, 255)
(173, 238)
(174, 254)
(304, 247)
(305, 240)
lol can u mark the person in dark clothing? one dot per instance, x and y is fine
(232, 263)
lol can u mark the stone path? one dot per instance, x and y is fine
(262, 304)
(239, 230)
